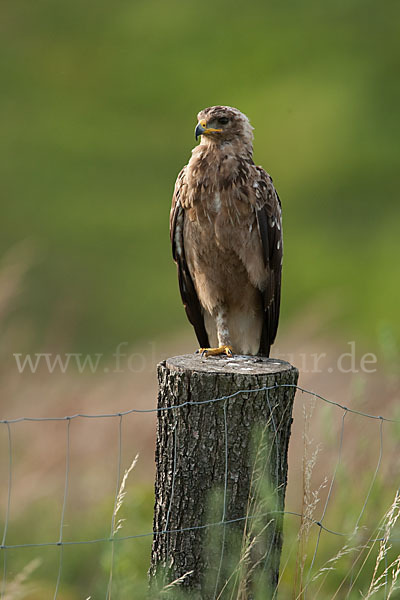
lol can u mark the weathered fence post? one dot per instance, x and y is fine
(221, 475)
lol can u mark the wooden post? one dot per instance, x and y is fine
(221, 475)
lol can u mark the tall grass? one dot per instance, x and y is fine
(20, 586)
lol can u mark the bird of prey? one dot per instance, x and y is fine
(226, 237)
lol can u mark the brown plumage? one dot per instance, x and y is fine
(226, 238)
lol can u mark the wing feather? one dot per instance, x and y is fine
(186, 287)
(269, 220)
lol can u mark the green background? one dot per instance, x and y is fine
(97, 111)
(98, 105)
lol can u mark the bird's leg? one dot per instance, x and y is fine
(223, 337)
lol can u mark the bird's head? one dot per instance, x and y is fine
(223, 125)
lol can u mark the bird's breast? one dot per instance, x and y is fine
(217, 202)
(221, 222)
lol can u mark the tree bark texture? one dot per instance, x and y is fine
(221, 475)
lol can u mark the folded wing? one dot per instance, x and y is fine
(269, 220)
(188, 293)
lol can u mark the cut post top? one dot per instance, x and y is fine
(237, 364)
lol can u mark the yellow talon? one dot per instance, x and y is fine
(228, 350)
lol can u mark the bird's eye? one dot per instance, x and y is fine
(223, 120)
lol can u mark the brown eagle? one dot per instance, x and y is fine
(226, 238)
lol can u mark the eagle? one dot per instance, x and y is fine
(226, 235)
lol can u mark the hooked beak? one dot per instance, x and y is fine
(200, 129)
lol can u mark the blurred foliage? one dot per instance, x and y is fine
(97, 112)
(85, 569)
(342, 567)
(98, 106)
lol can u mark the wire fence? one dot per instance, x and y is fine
(61, 543)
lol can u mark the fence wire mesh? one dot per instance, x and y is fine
(60, 543)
